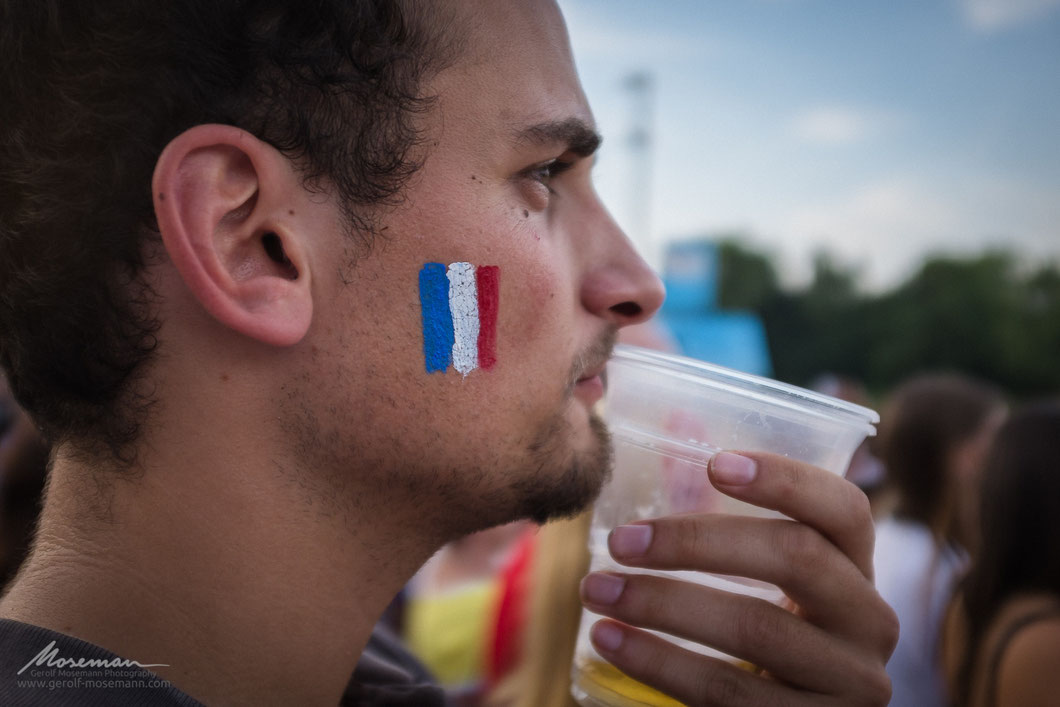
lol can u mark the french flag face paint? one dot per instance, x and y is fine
(459, 308)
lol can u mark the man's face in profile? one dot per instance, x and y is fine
(505, 183)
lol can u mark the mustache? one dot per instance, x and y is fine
(592, 357)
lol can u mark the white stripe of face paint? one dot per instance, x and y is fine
(463, 301)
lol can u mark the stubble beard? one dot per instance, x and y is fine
(544, 497)
(557, 477)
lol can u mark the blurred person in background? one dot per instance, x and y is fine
(865, 470)
(541, 677)
(23, 467)
(1002, 640)
(463, 612)
(935, 432)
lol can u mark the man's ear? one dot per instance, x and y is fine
(222, 201)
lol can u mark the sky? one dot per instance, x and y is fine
(880, 131)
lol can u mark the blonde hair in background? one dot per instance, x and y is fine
(542, 678)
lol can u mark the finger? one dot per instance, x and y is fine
(826, 502)
(689, 677)
(754, 630)
(830, 591)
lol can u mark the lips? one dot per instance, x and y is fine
(595, 372)
(590, 387)
(588, 373)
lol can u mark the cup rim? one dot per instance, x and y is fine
(760, 388)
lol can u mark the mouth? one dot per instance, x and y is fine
(588, 377)
(590, 387)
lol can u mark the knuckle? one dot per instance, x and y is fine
(690, 540)
(882, 685)
(651, 664)
(636, 599)
(791, 481)
(871, 686)
(756, 630)
(721, 687)
(889, 629)
(801, 550)
(796, 475)
(875, 687)
(860, 508)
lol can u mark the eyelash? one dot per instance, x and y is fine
(546, 171)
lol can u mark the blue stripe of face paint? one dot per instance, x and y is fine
(437, 319)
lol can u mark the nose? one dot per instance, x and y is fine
(619, 286)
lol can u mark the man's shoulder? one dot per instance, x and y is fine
(387, 675)
(39, 666)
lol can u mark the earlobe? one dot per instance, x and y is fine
(220, 199)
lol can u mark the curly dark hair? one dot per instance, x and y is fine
(92, 92)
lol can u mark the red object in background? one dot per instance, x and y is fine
(512, 606)
(687, 486)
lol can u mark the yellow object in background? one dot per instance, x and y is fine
(448, 631)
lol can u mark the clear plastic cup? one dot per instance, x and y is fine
(668, 416)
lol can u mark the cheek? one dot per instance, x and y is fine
(526, 314)
(534, 306)
(532, 300)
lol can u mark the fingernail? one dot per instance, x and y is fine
(630, 540)
(733, 469)
(601, 588)
(606, 636)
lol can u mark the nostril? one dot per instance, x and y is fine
(628, 310)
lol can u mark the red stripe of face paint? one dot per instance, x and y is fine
(487, 277)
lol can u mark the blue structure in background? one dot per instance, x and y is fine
(733, 339)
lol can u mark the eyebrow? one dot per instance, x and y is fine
(575, 133)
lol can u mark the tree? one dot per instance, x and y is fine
(747, 278)
(982, 315)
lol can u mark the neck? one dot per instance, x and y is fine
(214, 561)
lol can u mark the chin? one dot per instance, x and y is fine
(566, 476)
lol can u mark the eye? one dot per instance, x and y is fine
(545, 172)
